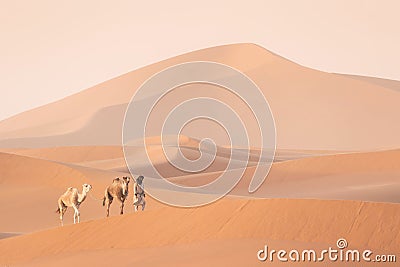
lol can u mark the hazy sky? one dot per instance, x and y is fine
(51, 49)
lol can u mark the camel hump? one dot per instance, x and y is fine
(116, 180)
(71, 189)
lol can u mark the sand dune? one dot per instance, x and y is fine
(325, 168)
(239, 252)
(7, 235)
(312, 109)
(31, 186)
(19, 170)
(231, 219)
(372, 176)
(112, 158)
(390, 84)
(71, 154)
(329, 130)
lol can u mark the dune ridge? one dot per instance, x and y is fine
(316, 221)
(312, 109)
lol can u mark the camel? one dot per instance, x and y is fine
(139, 194)
(72, 198)
(119, 190)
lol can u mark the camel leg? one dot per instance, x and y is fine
(108, 202)
(62, 212)
(143, 204)
(76, 214)
(62, 208)
(122, 208)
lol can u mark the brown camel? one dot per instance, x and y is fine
(119, 190)
(72, 198)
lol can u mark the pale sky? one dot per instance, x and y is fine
(52, 49)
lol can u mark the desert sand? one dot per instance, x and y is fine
(335, 174)
(313, 110)
(231, 220)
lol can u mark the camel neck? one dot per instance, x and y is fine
(82, 197)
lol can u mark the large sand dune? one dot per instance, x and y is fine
(312, 109)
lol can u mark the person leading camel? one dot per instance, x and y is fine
(139, 194)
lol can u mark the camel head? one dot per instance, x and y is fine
(124, 184)
(126, 179)
(86, 188)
